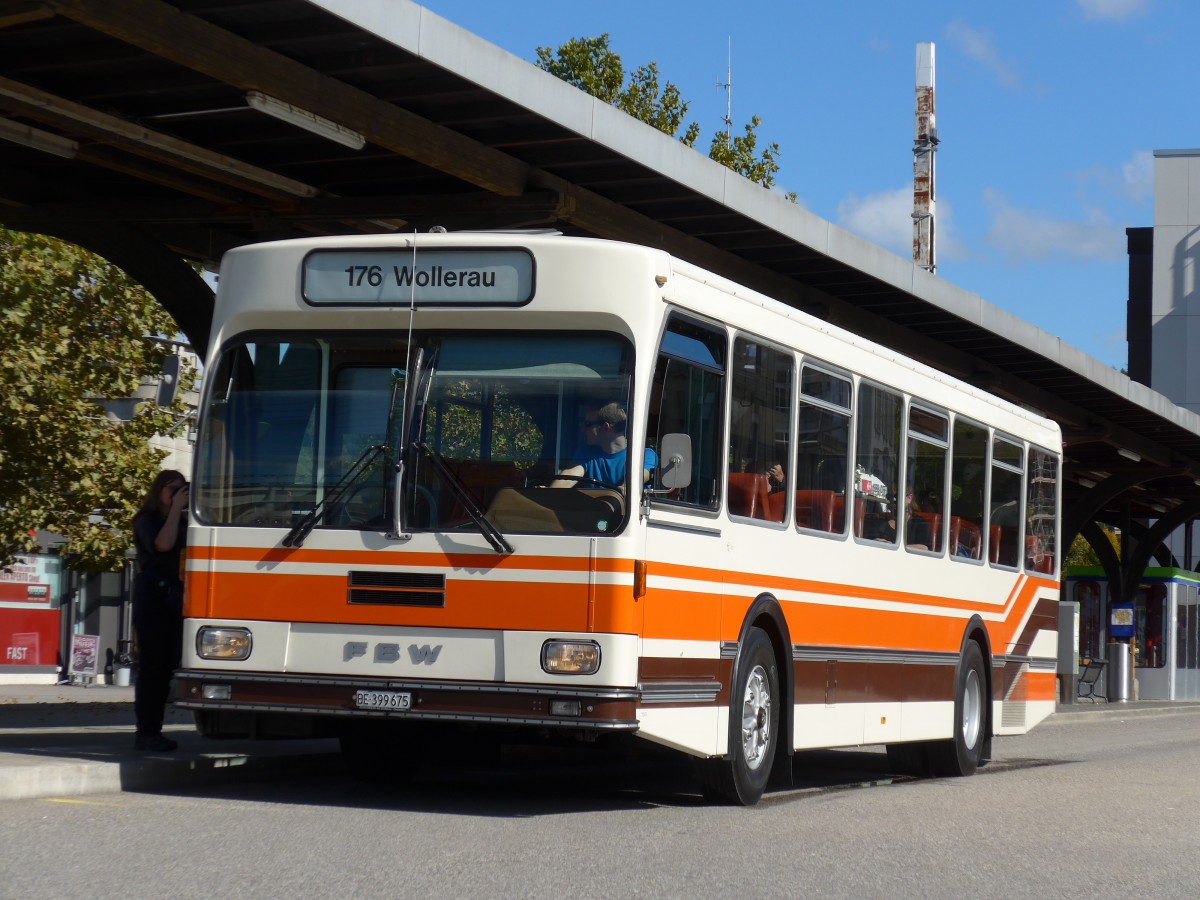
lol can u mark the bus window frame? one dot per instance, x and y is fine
(845, 375)
(789, 352)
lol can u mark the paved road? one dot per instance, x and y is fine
(1104, 806)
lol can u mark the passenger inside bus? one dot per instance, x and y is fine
(601, 459)
(916, 530)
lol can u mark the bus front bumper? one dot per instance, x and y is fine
(260, 705)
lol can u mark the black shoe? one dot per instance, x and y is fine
(155, 743)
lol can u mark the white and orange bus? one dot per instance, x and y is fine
(827, 544)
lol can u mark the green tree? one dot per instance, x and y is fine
(1081, 553)
(591, 65)
(738, 153)
(74, 331)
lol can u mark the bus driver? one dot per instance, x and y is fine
(602, 457)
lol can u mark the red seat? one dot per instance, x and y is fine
(966, 539)
(814, 509)
(1035, 556)
(994, 542)
(934, 521)
(748, 495)
(839, 514)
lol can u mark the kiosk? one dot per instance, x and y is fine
(1163, 637)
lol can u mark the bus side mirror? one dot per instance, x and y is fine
(674, 462)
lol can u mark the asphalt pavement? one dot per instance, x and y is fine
(61, 741)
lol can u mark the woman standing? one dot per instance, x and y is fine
(159, 534)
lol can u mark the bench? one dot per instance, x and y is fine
(1089, 678)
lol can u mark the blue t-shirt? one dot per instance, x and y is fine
(609, 468)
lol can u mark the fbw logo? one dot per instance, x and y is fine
(389, 653)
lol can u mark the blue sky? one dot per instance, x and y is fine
(1048, 112)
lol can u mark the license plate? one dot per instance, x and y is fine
(382, 699)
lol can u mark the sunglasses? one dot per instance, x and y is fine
(592, 423)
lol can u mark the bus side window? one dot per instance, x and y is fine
(1041, 512)
(687, 397)
(823, 444)
(968, 470)
(1004, 514)
(877, 461)
(760, 431)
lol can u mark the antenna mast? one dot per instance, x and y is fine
(924, 149)
(727, 84)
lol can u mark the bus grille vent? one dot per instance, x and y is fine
(1012, 710)
(1012, 714)
(397, 589)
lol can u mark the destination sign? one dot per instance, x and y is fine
(398, 277)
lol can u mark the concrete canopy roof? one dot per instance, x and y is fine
(149, 152)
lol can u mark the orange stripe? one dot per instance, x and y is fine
(677, 614)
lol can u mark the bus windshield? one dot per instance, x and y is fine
(300, 427)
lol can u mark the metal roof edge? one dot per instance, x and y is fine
(451, 47)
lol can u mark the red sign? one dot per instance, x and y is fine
(11, 592)
(29, 637)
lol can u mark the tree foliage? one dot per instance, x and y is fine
(74, 331)
(591, 65)
(1081, 553)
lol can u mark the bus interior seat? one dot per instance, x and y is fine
(966, 538)
(1037, 559)
(556, 510)
(934, 521)
(814, 509)
(839, 514)
(748, 493)
(482, 478)
(995, 541)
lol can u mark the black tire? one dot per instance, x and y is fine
(961, 755)
(741, 777)
(384, 753)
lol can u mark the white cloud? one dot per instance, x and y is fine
(1138, 175)
(885, 218)
(978, 46)
(1114, 10)
(1025, 235)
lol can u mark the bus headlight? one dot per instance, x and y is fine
(570, 657)
(223, 643)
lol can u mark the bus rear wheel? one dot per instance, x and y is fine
(741, 777)
(961, 754)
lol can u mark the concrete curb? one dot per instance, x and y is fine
(1082, 712)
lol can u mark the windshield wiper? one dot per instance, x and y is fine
(490, 532)
(301, 529)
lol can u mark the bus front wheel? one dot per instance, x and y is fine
(741, 777)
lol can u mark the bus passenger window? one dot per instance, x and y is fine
(1041, 512)
(759, 431)
(877, 462)
(968, 469)
(686, 397)
(1004, 513)
(823, 452)
(928, 440)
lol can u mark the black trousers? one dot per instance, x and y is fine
(159, 628)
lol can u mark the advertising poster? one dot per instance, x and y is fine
(85, 648)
